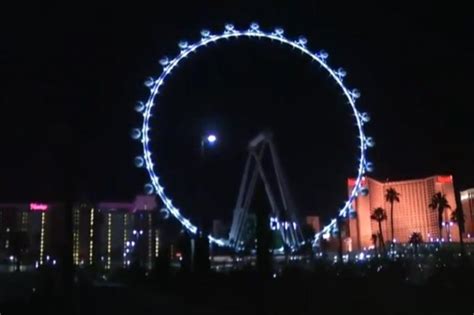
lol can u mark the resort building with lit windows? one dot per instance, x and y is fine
(84, 236)
(411, 214)
(26, 231)
(128, 233)
(108, 235)
(467, 202)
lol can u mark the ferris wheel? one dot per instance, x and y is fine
(146, 159)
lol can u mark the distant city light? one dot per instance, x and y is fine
(274, 224)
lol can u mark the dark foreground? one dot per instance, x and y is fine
(409, 287)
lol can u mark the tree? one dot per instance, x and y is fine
(457, 216)
(374, 240)
(323, 247)
(416, 239)
(339, 239)
(249, 230)
(264, 240)
(186, 242)
(439, 203)
(308, 236)
(379, 215)
(391, 196)
(202, 262)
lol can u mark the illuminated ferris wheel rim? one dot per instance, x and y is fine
(253, 32)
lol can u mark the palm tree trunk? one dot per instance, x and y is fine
(18, 263)
(264, 258)
(391, 220)
(381, 236)
(339, 238)
(440, 224)
(461, 240)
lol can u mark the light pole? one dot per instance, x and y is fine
(207, 140)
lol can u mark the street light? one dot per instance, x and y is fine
(209, 139)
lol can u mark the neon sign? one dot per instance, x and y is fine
(445, 179)
(34, 206)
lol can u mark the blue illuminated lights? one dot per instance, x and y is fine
(139, 162)
(254, 31)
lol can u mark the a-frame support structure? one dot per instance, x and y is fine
(283, 212)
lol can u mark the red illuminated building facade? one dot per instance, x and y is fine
(411, 214)
(467, 202)
(314, 222)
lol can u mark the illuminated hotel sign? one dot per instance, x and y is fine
(445, 179)
(352, 181)
(34, 206)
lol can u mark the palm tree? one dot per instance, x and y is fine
(440, 203)
(379, 215)
(391, 196)
(457, 216)
(339, 238)
(374, 240)
(416, 239)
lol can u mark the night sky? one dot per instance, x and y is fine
(70, 77)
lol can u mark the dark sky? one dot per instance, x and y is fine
(70, 77)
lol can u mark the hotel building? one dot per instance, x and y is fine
(128, 233)
(467, 202)
(109, 235)
(26, 233)
(411, 214)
